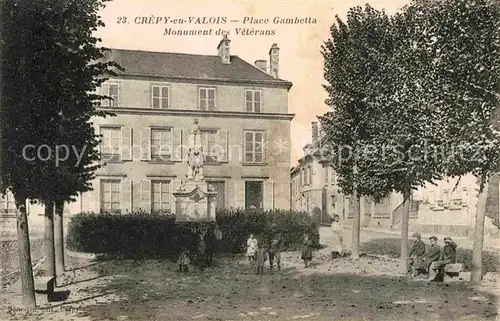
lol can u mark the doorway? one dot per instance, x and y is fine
(220, 198)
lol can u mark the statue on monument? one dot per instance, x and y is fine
(195, 153)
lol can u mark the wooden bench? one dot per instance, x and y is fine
(45, 285)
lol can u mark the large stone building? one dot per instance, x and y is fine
(242, 110)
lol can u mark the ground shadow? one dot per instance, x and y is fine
(78, 281)
(392, 248)
(158, 292)
(74, 269)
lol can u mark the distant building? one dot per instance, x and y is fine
(444, 208)
(450, 208)
(314, 189)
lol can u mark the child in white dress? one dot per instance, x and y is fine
(251, 248)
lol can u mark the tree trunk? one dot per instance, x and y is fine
(50, 262)
(476, 276)
(23, 239)
(356, 226)
(356, 218)
(405, 220)
(59, 238)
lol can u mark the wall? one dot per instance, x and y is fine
(275, 168)
(449, 207)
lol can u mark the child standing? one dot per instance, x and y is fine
(184, 261)
(260, 258)
(251, 248)
(306, 251)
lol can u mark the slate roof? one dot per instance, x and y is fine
(189, 66)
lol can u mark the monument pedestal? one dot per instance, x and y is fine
(195, 201)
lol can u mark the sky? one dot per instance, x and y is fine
(301, 61)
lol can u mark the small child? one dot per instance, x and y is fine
(260, 259)
(184, 261)
(251, 248)
(306, 254)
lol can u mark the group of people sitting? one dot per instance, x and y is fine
(422, 260)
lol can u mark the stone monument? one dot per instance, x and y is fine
(195, 198)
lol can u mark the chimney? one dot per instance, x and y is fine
(315, 131)
(224, 50)
(261, 64)
(274, 60)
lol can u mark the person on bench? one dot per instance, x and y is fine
(449, 256)
(432, 254)
(416, 255)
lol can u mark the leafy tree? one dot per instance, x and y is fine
(52, 65)
(352, 59)
(69, 39)
(462, 38)
(405, 151)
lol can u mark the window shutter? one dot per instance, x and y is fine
(98, 133)
(136, 146)
(239, 190)
(3, 202)
(126, 196)
(146, 196)
(146, 143)
(174, 185)
(176, 145)
(105, 102)
(127, 144)
(222, 144)
(136, 196)
(268, 195)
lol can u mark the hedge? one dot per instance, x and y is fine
(237, 225)
(144, 235)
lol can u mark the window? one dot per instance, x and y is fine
(210, 146)
(161, 144)
(254, 142)
(111, 90)
(160, 196)
(160, 97)
(253, 100)
(110, 195)
(327, 174)
(110, 145)
(310, 174)
(332, 176)
(207, 98)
